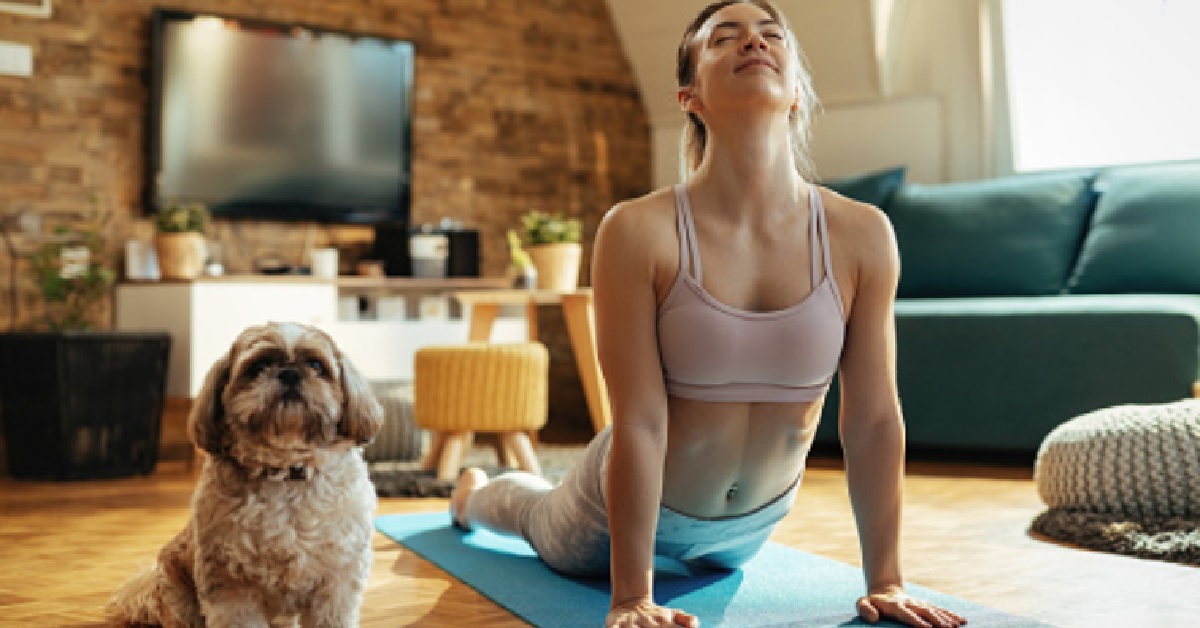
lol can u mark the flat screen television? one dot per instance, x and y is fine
(278, 122)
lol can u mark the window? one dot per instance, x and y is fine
(1101, 82)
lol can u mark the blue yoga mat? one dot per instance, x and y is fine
(781, 586)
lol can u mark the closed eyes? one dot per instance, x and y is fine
(726, 38)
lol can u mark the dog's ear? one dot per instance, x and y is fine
(362, 416)
(207, 419)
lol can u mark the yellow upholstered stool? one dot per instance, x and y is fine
(459, 390)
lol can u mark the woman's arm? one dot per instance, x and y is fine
(623, 280)
(870, 426)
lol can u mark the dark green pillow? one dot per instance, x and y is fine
(876, 188)
(1145, 234)
(1009, 236)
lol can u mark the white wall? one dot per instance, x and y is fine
(900, 81)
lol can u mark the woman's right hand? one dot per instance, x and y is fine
(646, 614)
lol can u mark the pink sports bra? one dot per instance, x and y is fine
(713, 352)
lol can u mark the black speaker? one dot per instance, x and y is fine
(391, 247)
(463, 260)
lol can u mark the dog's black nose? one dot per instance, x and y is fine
(289, 376)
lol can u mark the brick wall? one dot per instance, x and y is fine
(520, 104)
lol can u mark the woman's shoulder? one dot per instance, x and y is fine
(855, 220)
(861, 232)
(645, 219)
(636, 238)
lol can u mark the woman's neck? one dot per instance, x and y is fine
(749, 167)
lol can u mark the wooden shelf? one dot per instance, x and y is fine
(353, 281)
(423, 283)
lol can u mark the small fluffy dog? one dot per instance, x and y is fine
(281, 517)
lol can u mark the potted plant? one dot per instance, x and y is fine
(72, 273)
(521, 271)
(179, 240)
(553, 245)
(77, 402)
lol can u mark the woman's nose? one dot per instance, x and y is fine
(755, 41)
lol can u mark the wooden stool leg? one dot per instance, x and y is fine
(457, 443)
(519, 443)
(437, 443)
(505, 456)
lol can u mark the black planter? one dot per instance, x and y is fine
(82, 405)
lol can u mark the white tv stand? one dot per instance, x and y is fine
(205, 315)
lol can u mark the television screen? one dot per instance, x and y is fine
(278, 122)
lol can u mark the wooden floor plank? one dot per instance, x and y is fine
(65, 546)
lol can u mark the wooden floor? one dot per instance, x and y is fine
(64, 547)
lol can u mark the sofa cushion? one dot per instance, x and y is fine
(1001, 372)
(876, 188)
(1145, 233)
(1011, 236)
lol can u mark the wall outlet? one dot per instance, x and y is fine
(16, 59)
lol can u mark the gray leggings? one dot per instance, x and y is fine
(567, 525)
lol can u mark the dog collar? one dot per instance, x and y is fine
(286, 474)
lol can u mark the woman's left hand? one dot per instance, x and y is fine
(895, 604)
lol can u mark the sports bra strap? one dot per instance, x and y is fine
(814, 204)
(689, 253)
(818, 209)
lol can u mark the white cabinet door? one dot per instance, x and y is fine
(161, 307)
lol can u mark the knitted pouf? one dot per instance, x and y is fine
(481, 387)
(398, 439)
(1133, 461)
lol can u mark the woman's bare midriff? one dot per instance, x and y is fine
(728, 459)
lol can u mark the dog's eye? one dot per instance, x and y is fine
(257, 367)
(317, 366)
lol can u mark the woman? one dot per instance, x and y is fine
(723, 308)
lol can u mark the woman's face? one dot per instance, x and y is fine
(743, 59)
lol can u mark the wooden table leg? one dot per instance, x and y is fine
(581, 327)
(531, 323)
(483, 316)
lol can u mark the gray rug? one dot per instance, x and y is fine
(1172, 539)
(407, 479)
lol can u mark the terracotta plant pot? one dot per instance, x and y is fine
(180, 255)
(557, 265)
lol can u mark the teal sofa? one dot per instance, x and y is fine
(1027, 300)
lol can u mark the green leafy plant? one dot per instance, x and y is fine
(542, 228)
(182, 218)
(73, 273)
(520, 258)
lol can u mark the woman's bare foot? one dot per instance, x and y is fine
(470, 480)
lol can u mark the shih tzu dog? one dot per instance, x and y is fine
(281, 517)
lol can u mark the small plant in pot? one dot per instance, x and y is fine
(521, 271)
(73, 273)
(553, 244)
(76, 402)
(179, 241)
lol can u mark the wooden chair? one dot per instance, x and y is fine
(460, 390)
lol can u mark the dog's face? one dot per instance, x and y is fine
(283, 392)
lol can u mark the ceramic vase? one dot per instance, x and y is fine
(180, 255)
(557, 265)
